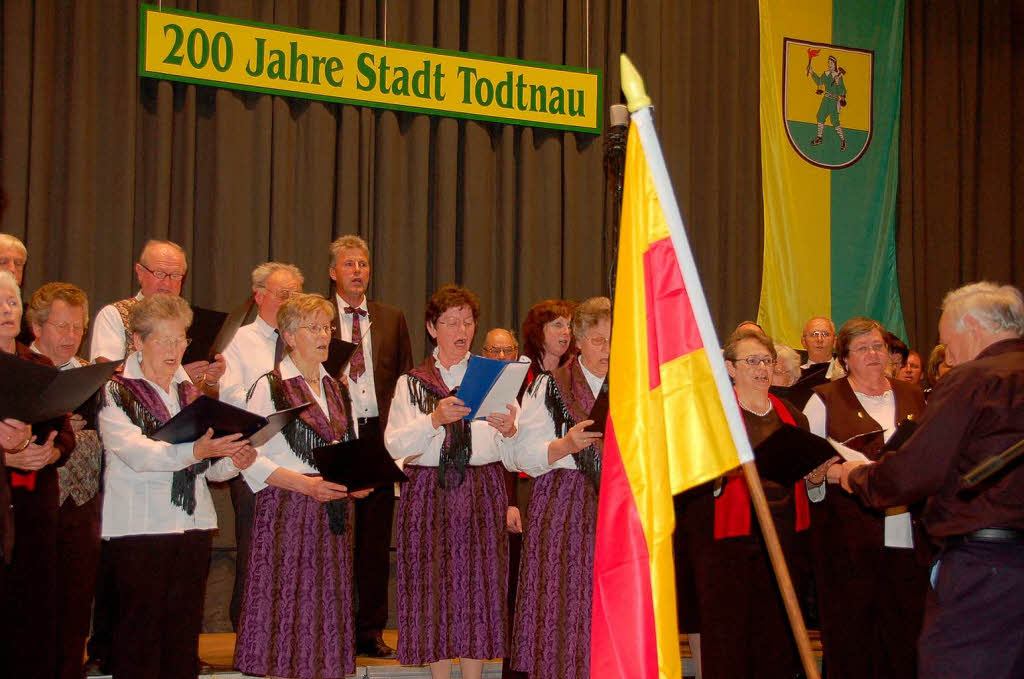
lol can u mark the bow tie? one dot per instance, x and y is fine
(350, 310)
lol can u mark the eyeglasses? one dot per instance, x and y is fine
(67, 328)
(455, 323)
(557, 324)
(501, 351)
(171, 343)
(754, 361)
(281, 294)
(354, 264)
(819, 334)
(597, 341)
(160, 275)
(317, 328)
(877, 347)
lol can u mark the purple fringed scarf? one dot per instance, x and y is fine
(143, 406)
(426, 389)
(569, 400)
(312, 429)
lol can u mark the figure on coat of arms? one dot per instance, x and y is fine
(833, 98)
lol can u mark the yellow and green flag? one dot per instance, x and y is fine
(830, 111)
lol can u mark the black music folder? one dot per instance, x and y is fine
(338, 355)
(34, 393)
(212, 331)
(225, 419)
(599, 413)
(359, 464)
(790, 454)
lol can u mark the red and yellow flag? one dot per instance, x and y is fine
(673, 421)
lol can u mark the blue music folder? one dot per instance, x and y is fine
(489, 385)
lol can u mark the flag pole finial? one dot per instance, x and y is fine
(632, 85)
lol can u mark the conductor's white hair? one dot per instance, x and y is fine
(997, 307)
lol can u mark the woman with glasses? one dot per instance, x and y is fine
(452, 562)
(744, 631)
(551, 632)
(297, 618)
(158, 514)
(871, 580)
(32, 455)
(547, 336)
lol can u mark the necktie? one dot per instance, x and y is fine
(357, 364)
(278, 348)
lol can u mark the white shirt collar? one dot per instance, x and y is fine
(290, 370)
(464, 361)
(342, 304)
(264, 328)
(593, 380)
(133, 371)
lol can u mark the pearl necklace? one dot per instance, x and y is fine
(754, 412)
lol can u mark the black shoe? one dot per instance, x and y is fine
(816, 142)
(374, 648)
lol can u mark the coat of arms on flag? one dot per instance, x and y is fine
(827, 101)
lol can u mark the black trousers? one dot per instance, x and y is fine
(104, 610)
(78, 550)
(244, 502)
(372, 551)
(161, 584)
(974, 615)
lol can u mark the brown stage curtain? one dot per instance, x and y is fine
(961, 168)
(95, 159)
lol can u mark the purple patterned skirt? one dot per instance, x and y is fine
(297, 618)
(551, 633)
(452, 566)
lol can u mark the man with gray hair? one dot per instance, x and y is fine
(974, 620)
(252, 354)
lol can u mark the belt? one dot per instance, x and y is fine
(1006, 536)
(363, 421)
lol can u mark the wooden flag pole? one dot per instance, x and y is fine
(771, 540)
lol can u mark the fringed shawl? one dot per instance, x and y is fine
(569, 400)
(312, 429)
(427, 389)
(144, 407)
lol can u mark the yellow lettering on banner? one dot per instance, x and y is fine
(211, 50)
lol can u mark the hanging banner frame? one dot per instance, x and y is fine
(217, 51)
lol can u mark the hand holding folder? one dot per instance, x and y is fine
(790, 454)
(490, 385)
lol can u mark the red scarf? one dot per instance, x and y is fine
(732, 507)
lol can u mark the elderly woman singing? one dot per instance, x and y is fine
(158, 513)
(452, 545)
(297, 618)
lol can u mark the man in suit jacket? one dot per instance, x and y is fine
(371, 375)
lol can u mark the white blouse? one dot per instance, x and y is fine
(410, 432)
(276, 452)
(139, 470)
(249, 356)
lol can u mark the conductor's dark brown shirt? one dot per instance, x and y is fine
(975, 412)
